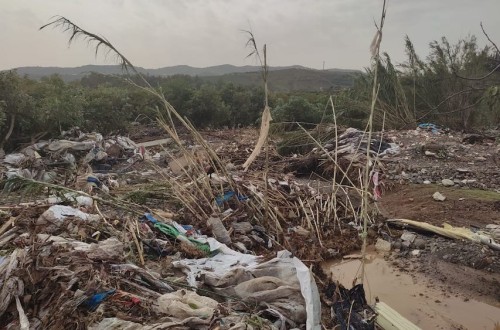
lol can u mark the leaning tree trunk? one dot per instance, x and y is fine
(9, 132)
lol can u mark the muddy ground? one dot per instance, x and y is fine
(464, 269)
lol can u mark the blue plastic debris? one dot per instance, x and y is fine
(94, 181)
(150, 217)
(93, 302)
(227, 196)
(429, 126)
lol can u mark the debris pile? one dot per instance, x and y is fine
(209, 244)
(57, 160)
(343, 156)
(66, 267)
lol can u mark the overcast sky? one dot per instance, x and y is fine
(158, 33)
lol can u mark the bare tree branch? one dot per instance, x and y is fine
(447, 99)
(489, 73)
(488, 37)
(478, 78)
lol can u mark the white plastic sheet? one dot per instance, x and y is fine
(229, 269)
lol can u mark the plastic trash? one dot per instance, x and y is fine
(93, 302)
(350, 307)
(183, 304)
(218, 230)
(429, 126)
(15, 159)
(56, 214)
(173, 232)
(227, 196)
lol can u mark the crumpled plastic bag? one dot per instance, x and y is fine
(183, 304)
(112, 323)
(56, 215)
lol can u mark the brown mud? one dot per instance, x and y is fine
(418, 297)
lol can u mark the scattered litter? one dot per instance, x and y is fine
(349, 307)
(184, 304)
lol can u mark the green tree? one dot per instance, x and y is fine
(15, 103)
(298, 109)
(208, 109)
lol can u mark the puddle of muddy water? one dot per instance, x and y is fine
(427, 307)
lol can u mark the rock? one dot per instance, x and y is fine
(480, 159)
(396, 245)
(429, 153)
(415, 253)
(447, 182)
(419, 243)
(405, 245)
(410, 237)
(382, 245)
(427, 182)
(439, 197)
(462, 170)
(300, 231)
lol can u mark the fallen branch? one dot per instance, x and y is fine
(449, 231)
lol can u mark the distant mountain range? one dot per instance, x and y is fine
(294, 77)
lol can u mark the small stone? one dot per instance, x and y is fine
(427, 182)
(480, 159)
(410, 237)
(439, 197)
(332, 253)
(419, 243)
(405, 245)
(415, 253)
(411, 199)
(447, 182)
(462, 170)
(382, 245)
(429, 153)
(461, 199)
